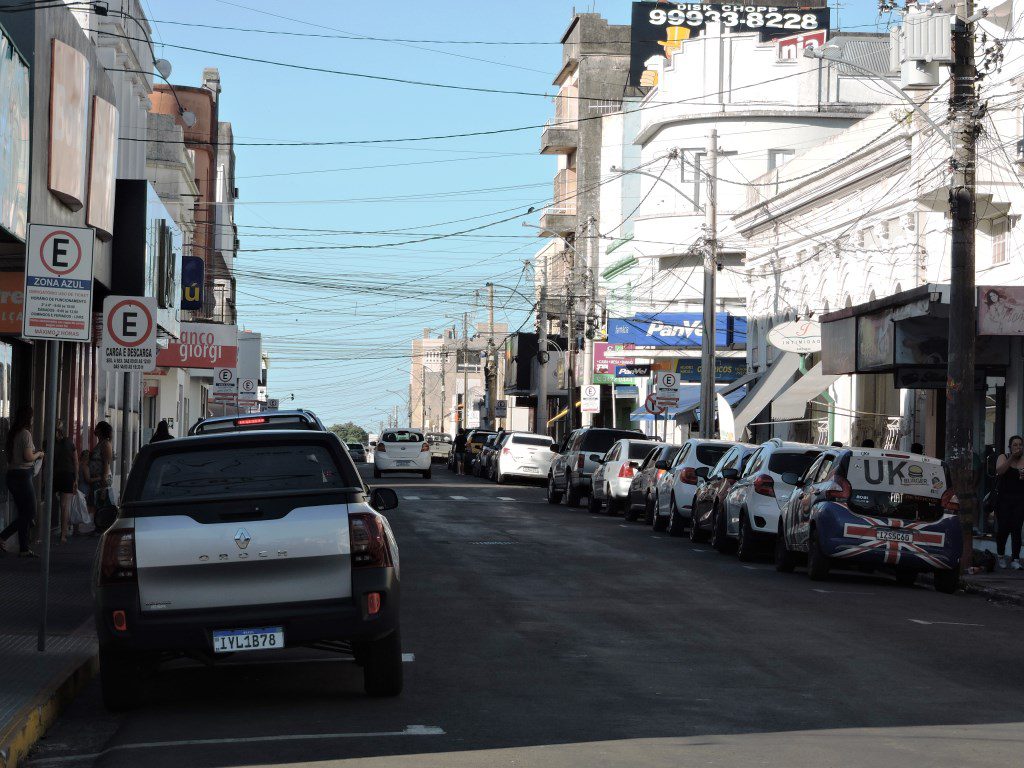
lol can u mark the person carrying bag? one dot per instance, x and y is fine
(1009, 503)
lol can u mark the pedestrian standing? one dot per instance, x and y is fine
(163, 432)
(101, 462)
(1010, 502)
(21, 458)
(65, 476)
(459, 448)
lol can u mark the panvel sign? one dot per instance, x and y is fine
(202, 345)
(659, 29)
(675, 330)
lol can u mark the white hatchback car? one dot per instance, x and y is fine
(677, 488)
(613, 476)
(524, 455)
(401, 450)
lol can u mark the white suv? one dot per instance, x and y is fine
(402, 450)
(752, 508)
(677, 488)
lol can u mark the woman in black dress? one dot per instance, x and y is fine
(1010, 503)
(65, 476)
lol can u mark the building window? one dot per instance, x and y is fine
(777, 157)
(1000, 235)
(690, 162)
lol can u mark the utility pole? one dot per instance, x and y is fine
(570, 337)
(963, 105)
(590, 305)
(491, 372)
(541, 420)
(465, 369)
(707, 344)
(444, 366)
(423, 396)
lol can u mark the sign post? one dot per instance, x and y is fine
(590, 398)
(58, 306)
(225, 385)
(247, 389)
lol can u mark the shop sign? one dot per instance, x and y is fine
(202, 345)
(14, 140)
(12, 302)
(192, 271)
(726, 369)
(1001, 310)
(69, 98)
(803, 336)
(674, 330)
(633, 371)
(58, 283)
(792, 48)
(129, 333)
(659, 29)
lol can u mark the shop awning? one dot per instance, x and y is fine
(561, 414)
(689, 400)
(733, 392)
(772, 382)
(792, 402)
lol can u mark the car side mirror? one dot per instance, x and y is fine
(792, 478)
(702, 473)
(661, 464)
(731, 473)
(383, 499)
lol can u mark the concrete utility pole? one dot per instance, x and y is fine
(491, 372)
(570, 335)
(963, 105)
(465, 369)
(541, 422)
(707, 345)
(423, 397)
(444, 366)
(590, 304)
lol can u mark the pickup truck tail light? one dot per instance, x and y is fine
(369, 542)
(840, 490)
(117, 558)
(688, 475)
(764, 485)
(426, 447)
(950, 502)
(626, 470)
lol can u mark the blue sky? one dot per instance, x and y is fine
(338, 321)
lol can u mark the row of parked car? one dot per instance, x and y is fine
(825, 507)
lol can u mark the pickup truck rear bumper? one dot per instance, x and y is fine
(190, 632)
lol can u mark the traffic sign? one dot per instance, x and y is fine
(273, 403)
(590, 398)
(129, 333)
(247, 389)
(667, 389)
(652, 407)
(58, 283)
(225, 388)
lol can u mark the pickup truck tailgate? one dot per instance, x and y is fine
(186, 565)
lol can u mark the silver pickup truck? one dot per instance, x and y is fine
(258, 541)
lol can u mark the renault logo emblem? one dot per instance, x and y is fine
(242, 538)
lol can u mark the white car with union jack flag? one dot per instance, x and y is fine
(876, 509)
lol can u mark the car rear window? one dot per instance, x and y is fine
(439, 438)
(355, 446)
(240, 470)
(599, 441)
(782, 462)
(402, 436)
(896, 487)
(641, 450)
(531, 440)
(709, 455)
(246, 423)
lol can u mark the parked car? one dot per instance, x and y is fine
(523, 455)
(480, 458)
(614, 474)
(357, 451)
(440, 446)
(489, 451)
(246, 541)
(750, 515)
(558, 467)
(402, 450)
(674, 494)
(297, 419)
(474, 442)
(714, 485)
(581, 455)
(875, 509)
(641, 489)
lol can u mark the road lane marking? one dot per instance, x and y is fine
(410, 730)
(751, 567)
(505, 498)
(953, 623)
(408, 657)
(411, 498)
(839, 592)
(458, 498)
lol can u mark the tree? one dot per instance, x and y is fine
(350, 432)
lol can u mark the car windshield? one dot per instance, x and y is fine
(782, 462)
(402, 436)
(600, 440)
(531, 440)
(231, 471)
(899, 487)
(641, 450)
(709, 455)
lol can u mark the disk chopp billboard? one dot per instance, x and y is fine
(660, 28)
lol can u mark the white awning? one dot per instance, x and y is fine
(792, 403)
(772, 382)
(729, 391)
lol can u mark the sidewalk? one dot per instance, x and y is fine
(38, 685)
(1003, 584)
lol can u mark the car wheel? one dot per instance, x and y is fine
(427, 474)
(946, 581)
(572, 495)
(119, 679)
(745, 541)
(593, 504)
(501, 479)
(785, 558)
(382, 666)
(675, 520)
(376, 473)
(697, 534)
(719, 540)
(659, 523)
(817, 562)
(554, 495)
(649, 514)
(629, 514)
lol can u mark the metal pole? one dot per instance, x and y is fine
(465, 369)
(126, 383)
(444, 365)
(541, 419)
(491, 373)
(590, 309)
(570, 335)
(50, 440)
(707, 346)
(960, 376)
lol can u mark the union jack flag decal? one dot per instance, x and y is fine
(897, 546)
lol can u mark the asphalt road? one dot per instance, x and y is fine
(545, 636)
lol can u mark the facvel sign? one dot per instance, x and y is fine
(129, 333)
(58, 283)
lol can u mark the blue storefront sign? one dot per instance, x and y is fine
(192, 269)
(625, 371)
(673, 330)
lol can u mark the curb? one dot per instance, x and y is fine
(992, 593)
(30, 723)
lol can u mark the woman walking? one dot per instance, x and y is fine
(21, 458)
(101, 461)
(65, 477)
(1010, 502)
(161, 433)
